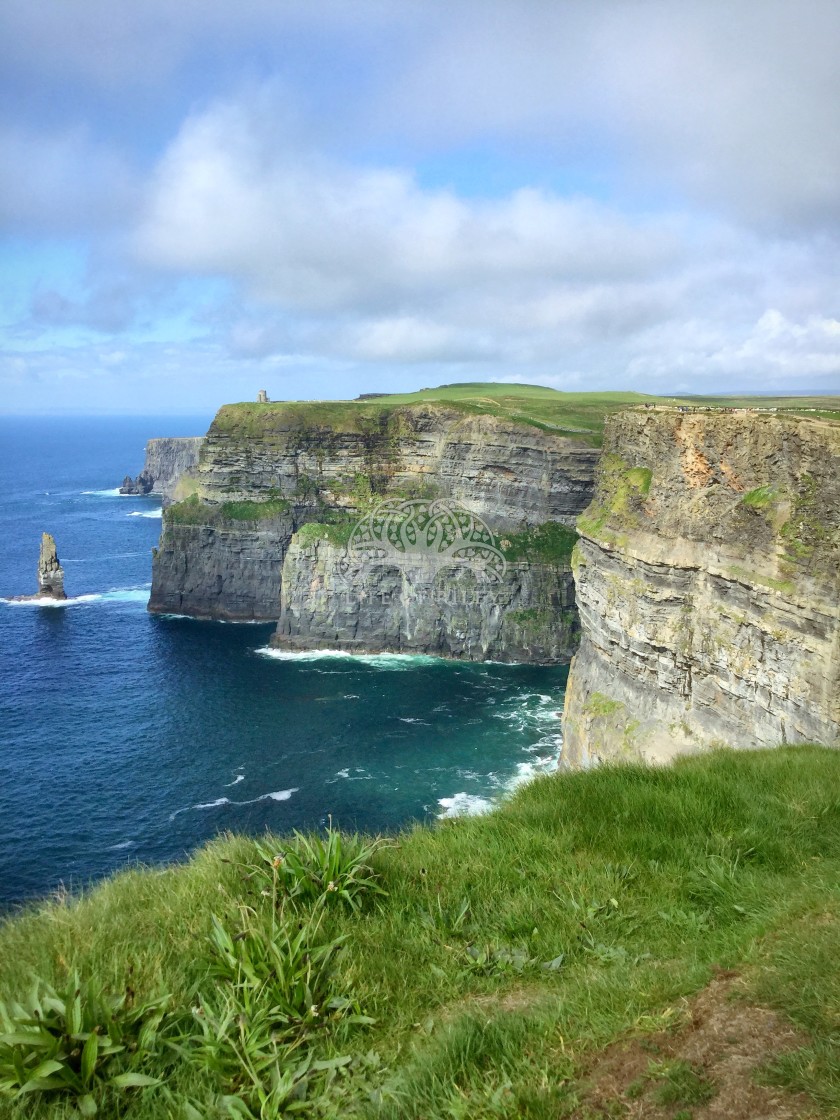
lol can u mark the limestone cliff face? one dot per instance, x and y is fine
(268, 472)
(332, 600)
(165, 462)
(708, 587)
(218, 568)
(511, 474)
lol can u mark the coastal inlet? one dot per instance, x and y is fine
(127, 736)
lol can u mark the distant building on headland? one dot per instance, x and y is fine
(262, 397)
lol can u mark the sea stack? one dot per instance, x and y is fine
(50, 572)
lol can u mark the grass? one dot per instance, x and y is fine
(549, 543)
(192, 511)
(508, 952)
(620, 491)
(759, 498)
(578, 416)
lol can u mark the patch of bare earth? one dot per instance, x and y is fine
(724, 1040)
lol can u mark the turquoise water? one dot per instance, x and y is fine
(125, 736)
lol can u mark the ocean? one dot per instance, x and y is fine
(130, 737)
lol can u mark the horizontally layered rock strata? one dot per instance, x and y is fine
(332, 596)
(166, 460)
(267, 510)
(708, 588)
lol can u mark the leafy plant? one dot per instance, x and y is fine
(67, 1042)
(275, 988)
(322, 869)
(284, 970)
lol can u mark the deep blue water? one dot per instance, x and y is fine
(125, 736)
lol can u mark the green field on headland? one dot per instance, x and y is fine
(627, 941)
(574, 415)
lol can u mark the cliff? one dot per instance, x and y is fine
(333, 596)
(708, 588)
(165, 461)
(269, 507)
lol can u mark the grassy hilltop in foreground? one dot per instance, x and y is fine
(575, 415)
(625, 942)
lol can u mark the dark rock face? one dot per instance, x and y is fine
(142, 484)
(512, 474)
(327, 602)
(166, 461)
(708, 584)
(228, 571)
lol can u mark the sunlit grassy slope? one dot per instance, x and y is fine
(509, 951)
(577, 415)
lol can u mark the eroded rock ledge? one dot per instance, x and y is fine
(708, 587)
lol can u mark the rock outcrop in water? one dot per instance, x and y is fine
(708, 584)
(268, 510)
(50, 571)
(50, 574)
(165, 462)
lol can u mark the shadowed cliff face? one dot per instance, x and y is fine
(332, 600)
(708, 588)
(233, 546)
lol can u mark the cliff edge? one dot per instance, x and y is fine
(166, 460)
(708, 583)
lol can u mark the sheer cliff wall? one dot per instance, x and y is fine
(166, 460)
(262, 516)
(708, 588)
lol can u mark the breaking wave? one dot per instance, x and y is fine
(378, 660)
(116, 595)
(276, 795)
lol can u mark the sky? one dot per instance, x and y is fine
(200, 199)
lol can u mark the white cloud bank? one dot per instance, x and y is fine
(670, 216)
(362, 265)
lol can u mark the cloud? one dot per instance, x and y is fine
(232, 198)
(59, 182)
(299, 189)
(361, 264)
(733, 105)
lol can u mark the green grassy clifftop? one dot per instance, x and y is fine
(605, 942)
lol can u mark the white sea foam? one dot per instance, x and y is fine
(275, 795)
(122, 846)
(239, 778)
(115, 493)
(378, 660)
(156, 513)
(48, 601)
(97, 559)
(464, 805)
(115, 595)
(126, 595)
(412, 719)
(359, 775)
